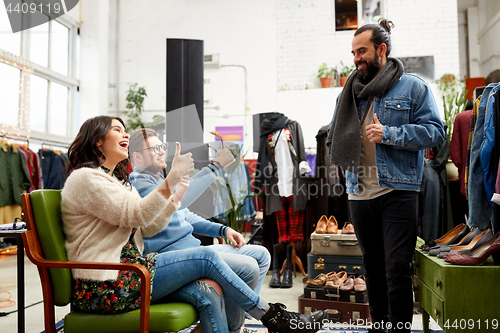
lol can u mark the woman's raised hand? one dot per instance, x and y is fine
(182, 187)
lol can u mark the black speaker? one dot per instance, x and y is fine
(257, 120)
(184, 90)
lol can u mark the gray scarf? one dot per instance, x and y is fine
(344, 138)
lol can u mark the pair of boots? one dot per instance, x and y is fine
(277, 319)
(287, 281)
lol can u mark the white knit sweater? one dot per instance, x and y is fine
(99, 213)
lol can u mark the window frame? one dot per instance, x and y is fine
(29, 68)
(359, 4)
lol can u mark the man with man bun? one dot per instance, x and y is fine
(383, 121)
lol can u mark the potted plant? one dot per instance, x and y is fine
(135, 106)
(454, 96)
(345, 71)
(325, 75)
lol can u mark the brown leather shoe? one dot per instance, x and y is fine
(318, 280)
(348, 284)
(321, 226)
(335, 279)
(360, 283)
(332, 226)
(348, 228)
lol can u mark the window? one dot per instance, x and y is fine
(46, 61)
(351, 14)
(9, 93)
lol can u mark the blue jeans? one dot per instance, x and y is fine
(176, 269)
(250, 263)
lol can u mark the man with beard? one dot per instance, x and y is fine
(382, 122)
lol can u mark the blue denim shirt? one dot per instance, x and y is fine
(411, 122)
(488, 143)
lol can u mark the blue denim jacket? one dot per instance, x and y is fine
(411, 122)
(488, 143)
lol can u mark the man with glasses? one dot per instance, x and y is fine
(249, 262)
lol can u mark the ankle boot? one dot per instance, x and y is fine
(287, 281)
(277, 319)
(275, 278)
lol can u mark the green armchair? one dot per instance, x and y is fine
(44, 243)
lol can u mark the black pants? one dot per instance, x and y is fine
(386, 228)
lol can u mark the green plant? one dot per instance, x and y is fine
(345, 70)
(454, 99)
(325, 71)
(135, 106)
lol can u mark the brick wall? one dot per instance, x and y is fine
(306, 37)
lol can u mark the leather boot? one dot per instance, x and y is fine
(287, 281)
(275, 278)
(277, 319)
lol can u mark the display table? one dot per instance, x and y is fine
(17, 234)
(458, 298)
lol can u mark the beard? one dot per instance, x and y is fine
(371, 68)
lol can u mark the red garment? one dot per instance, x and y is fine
(458, 144)
(289, 221)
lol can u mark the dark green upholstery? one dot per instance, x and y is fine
(46, 207)
(164, 317)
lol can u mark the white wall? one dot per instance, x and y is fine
(279, 44)
(243, 33)
(306, 39)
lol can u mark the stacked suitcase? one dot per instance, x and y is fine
(335, 253)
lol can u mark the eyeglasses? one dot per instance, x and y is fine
(157, 148)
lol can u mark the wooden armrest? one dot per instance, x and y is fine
(38, 260)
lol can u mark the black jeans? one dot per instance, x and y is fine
(386, 228)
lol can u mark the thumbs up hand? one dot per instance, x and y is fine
(375, 131)
(182, 165)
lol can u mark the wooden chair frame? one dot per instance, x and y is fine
(35, 255)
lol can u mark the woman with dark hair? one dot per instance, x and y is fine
(105, 218)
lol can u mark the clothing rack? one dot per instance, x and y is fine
(17, 138)
(51, 144)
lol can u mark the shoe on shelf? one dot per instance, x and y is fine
(277, 319)
(321, 226)
(477, 241)
(332, 226)
(478, 256)
(348, 228)
(348, 284)
(318, 281)
(446, 238)
(335, 279)
(360, 284)
(440, 248)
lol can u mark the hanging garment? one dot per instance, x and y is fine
(469, 144)
(458, 144)
(14, 176)
(488, 144)
(480, 211)
(290, 222)
(296, 151)
(53, 169)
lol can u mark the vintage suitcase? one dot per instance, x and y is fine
(344, 312)
(317, 264)
(314, 292)
(335, 244)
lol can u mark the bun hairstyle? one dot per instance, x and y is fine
(381, 33)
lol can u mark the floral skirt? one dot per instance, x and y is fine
(114, 296)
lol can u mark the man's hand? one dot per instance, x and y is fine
(235, 238)
(224, 156)
(182, 165)
(375, 131)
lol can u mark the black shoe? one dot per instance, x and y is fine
(277, 319)
(275, 278)
(287, 281)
